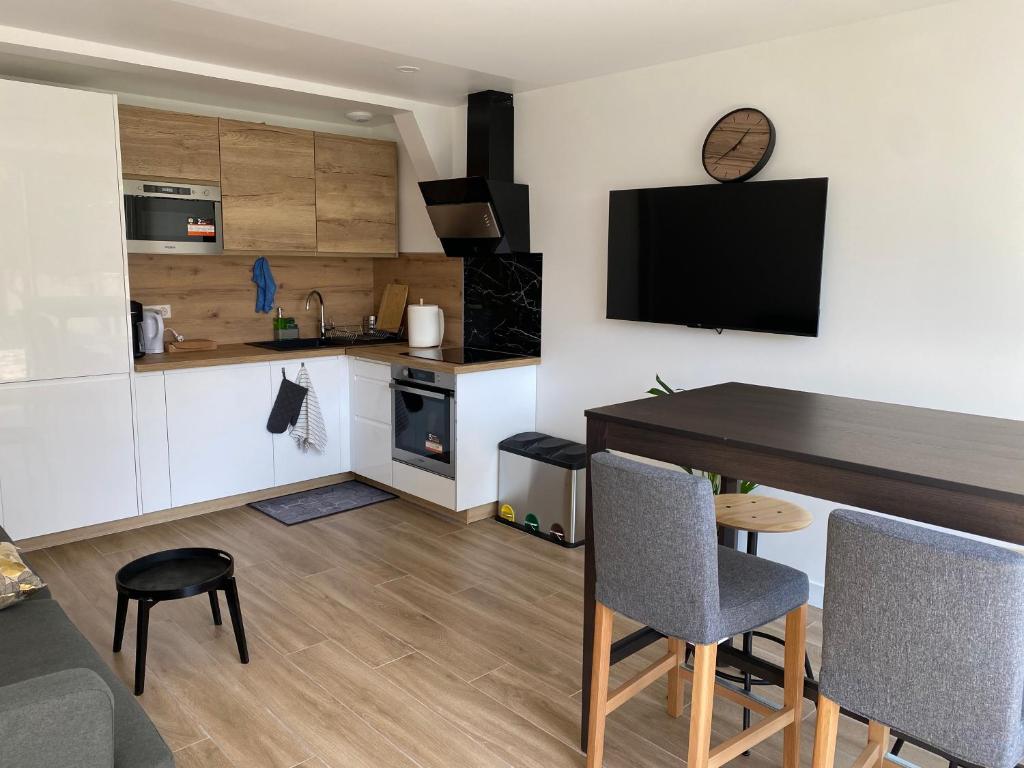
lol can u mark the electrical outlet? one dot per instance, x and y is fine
(163, 309)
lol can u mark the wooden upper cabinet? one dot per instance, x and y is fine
(168, 145)
(267, 187)
(356, 195)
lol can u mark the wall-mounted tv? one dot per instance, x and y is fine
(726, 256)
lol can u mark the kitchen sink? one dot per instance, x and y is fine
(286, 345)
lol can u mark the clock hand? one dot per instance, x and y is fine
(730, 149)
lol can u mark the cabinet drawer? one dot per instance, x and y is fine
(371, 399)
(424, 485)
(371, 370)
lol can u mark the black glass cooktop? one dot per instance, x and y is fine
(462, 355)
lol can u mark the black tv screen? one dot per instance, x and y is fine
(743, 256)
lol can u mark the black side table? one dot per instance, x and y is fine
(172, 575)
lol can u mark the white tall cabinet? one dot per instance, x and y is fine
(63, 309)
(67, 454)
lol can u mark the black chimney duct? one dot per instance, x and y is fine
(490, 134)
(485, 213)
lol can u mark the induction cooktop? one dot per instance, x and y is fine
(462, 355)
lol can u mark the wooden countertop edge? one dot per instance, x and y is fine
(393, 354)
(240, 354)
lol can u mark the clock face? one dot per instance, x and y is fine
(739, 145)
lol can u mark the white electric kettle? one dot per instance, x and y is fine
(426, 325)
(152, 332)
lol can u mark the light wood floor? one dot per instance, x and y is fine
(381, 637)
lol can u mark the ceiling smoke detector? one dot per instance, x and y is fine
(359, 116)
(407, 68)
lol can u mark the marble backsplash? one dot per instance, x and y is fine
(502, 302)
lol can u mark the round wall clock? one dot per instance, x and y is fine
(739, 145)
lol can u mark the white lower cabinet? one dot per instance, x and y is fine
(151, 438)
(67, 455)
(371, 420)
(329, 376)
(371, 449)
(217, 436)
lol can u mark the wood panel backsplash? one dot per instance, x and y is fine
(213, 297)
(433, 277)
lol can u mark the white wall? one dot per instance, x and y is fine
(917, 121)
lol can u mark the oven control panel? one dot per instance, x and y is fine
(415, 374)
(412, 376)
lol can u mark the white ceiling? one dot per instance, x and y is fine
(460, 45)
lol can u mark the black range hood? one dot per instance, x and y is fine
(486, 213)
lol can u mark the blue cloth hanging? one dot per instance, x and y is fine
(266, 288)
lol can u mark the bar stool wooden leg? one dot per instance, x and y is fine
(601, 664)
(825, 734)
(878, 734)
(793, 680)
(701, 705)
(675, 677)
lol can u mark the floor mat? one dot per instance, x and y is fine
(321, 502)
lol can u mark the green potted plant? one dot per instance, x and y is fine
(746, 486)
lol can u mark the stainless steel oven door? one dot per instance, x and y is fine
(423, 426)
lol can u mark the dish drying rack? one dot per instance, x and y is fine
(361, 332)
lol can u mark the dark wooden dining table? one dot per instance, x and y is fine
(953, 470)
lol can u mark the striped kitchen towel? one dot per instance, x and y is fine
(309, 431)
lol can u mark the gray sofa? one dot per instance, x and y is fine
(60, 704)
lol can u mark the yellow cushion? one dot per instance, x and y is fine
(17, 581)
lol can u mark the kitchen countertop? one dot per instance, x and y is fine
(234, 354)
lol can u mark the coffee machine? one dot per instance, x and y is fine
(137, 349)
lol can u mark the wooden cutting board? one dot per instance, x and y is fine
(392, 307)
(191, 345)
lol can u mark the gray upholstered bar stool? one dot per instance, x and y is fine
(658, 562)
(923, 632)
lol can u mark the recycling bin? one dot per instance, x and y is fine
(542, 486)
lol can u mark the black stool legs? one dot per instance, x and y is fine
(119, 619)
(231, 591)
(142, 631)
(215, 607)
(141, 641)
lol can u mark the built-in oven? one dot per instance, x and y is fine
(423, 419)
(172, 217)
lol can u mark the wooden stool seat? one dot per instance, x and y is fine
(755, 514)
(760, 514)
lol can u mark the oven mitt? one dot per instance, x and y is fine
(286, 407)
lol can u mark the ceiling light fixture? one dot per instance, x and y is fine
(407, 68)
(359, 116)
